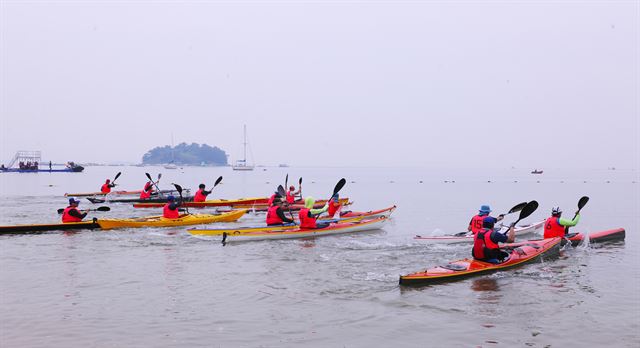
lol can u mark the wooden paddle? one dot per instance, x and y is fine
(61, 210)
(581, 203)
(179, 189)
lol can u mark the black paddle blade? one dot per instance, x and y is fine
(517, 208)
(159, 176)
(178, 188)
(148, 176)
(300, 181)
(582, 202)
(116, 177)
(339, 186)
(286, 180)
(281, 191)
(218, 181)
(528, 210)
(103, 209)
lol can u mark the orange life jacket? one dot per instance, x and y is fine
(552, 228)
(68, 218)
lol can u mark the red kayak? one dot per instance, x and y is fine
(521, 253)
(614, 235)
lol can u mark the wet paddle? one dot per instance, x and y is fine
(179, 189)
(581, 203)
(526, 211)
(61, 210)
(154, 183)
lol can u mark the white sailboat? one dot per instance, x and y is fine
(171, 165)
(242, 164)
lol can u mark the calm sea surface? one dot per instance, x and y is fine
(164, 288)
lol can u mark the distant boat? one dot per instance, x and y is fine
(242, 164)
(283, 165)
(535, 171)
(29, 162)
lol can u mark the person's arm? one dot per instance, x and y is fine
(76, 214)
(319, 211)
(569, 223)
(174, 206)
(206, 193)
(282, 217)
(112, 185)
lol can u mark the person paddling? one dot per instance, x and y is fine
(170, 210)
(273, 197)
(201, 194)
(71, 213)
(485, 242)
(147, 190)
(275, 214)
(335, 207)
(475, 225)
(555, 226)
(106, 187)
(293, 195)
(308, 215)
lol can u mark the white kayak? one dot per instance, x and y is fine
(462, 238)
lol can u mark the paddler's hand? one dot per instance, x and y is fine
(578, 213)
(500, 217)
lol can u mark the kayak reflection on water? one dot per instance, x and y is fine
(485, 284)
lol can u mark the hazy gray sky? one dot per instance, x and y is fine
(413, 83)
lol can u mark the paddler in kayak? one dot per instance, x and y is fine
(273, 197)
(555, 226)
(201, 194)
(475, 225)
(335, 207)
(71, 213)
(308, 215)
(293, 195)
(275, 214)
(106, 187)
(170, 210)
(147, 190)
(485, 242)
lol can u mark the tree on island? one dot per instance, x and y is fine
(184, 154)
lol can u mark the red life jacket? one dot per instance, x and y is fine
(168, 213)
(552, 228)
(483, 246)
(305, 220)
(290, 197)
(105, 188)
(272, 216)
(199, 197)
(270, 202)
(146, 194)
(68, 218)
(476, 223)
(333, 208)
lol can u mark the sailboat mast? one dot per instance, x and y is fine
(245, 144)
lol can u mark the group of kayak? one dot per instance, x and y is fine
(488, 255)
(290, 215)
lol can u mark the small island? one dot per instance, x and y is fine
(184, 154)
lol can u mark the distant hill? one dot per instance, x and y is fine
(183, 154)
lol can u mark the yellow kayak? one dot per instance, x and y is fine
(159, 221)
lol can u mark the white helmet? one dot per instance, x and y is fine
(556, 211)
